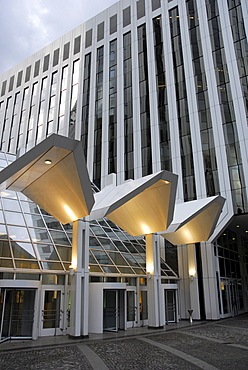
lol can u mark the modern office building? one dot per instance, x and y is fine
(150, 88)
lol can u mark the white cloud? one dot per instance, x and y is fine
(26, 26)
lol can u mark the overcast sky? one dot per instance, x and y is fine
(26, 26)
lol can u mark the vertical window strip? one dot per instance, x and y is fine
(128, 107)
(240, 46)
(227, 110)
(14, 123)
(42, 111)
(52, 101)
(188, 175)
(207, 140)
(112, 134)
(32, 112)
(62, 99)
(164, 131)
(85, 106)
(23, 118)
(74, 97)
(144, 103)
(98, 118)
(7, 117)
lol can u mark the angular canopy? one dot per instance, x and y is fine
(53, 175)
(194, 221)
(141, 206)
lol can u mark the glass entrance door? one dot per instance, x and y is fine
(16, 313)
(170, 305)
(52, 313)
(110, 310)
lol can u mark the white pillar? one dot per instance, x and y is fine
(156, 316)
(189, 293)
(209, 268)
(80, 280)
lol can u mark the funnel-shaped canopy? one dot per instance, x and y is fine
(142, 206)
(53, 175)
(194, 221)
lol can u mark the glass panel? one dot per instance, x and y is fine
(34, 220)
(47, 252)
(53, 279)
(4, 248)
(11, 205)
(143, 306)
(40, 235)
(125, 270)
(64, 253)
(18, 233)
(59, 237)
(51, 312)
(22, 264)
(130, 306)
(23, 250)
(102, 258)
(14, 218)
(29, 207)
(27, 277)
(118, 259)
(110, 269)
(6, 263)
(110, 310)
(52, 223)
(95, 268)
(94, 243)
(51, 265)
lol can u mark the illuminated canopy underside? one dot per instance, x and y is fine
(142, 206)
(61, 188)
(194, 221)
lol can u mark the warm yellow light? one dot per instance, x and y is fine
(70, 213)
(146, 229)
(192, 272)
(150, 268)
(48, 161)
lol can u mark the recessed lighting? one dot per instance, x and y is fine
(48, 161)
(246, 231)
(237, 226)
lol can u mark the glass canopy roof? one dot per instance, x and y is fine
(32, 239)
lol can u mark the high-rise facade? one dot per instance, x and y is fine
(146, 85)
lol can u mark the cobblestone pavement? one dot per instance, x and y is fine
(219, 345)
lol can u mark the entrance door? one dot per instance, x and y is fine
(110, 310)
(143, 307)
(114, 309)
(52, 314)
(16, 313)
(131, 308)
(170, 305)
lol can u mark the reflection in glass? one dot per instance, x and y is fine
(23, 250)
(34, 220)
(14, 218)
(40, 235)
(47, 252)
(18, 233)
(64, 253)
(11, 205)
(22, 264)
(59, 237)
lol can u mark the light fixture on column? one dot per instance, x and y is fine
(192, 274)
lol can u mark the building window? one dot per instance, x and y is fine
(66, 51)
(14, 124)
(98, 118)
(32, 113)
(23, 119)
(4, 84)
(77, 44)
(11, 83)
(19, 78)
(112, 135)
(62, 100)
(163, 118)
(156, 4)
(86, 99)
(52, 103)
(140, 8)
(126, 16)
(144, 103)
(37, 68)
(46, 62)
(28, 73)
(188, 175)
(55, 57)
(42, 110)
(88, 38)
(113, 24)
(100, 31)
(128, 107)
(6, 123)
(74, 97)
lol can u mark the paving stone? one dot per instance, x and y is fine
(64, 357)
(136, 355)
